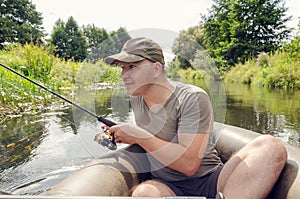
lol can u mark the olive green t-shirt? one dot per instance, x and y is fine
(188, 110)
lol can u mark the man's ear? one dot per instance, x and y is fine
(158, 69)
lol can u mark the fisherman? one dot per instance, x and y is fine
(174, 125)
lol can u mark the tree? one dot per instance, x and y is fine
(94, 36)
(59, 39)
(69, 40)
(186, 45)
(236, 30)
(112, 45)
(293, 47)
(119, 38)
(19, 22)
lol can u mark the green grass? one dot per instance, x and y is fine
(18, 96)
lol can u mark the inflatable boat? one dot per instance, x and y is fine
(115, 174)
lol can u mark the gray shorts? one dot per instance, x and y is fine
(199, 186)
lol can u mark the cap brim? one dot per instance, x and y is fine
(122, 57)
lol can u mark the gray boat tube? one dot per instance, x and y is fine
(116, 173)
(234, 138)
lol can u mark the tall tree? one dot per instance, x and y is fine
(236, 30)
(94, 35)
(69, 40)
(19, 22)
(59, 38)
(187, 44)
(113, 44)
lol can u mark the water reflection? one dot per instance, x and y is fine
(52, 150)
(37, 151)
(110, 102)
(266, 111)
(18, 138)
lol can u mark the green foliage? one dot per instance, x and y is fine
(280, 69)
(63, 74)
(86, 43)
(242, 73)
(111, 45)
(94, 36)
(18, 95)
(33, 61)
(90, 74)
(293, 49)
(204, 63)
(19, 22)
(186, 45)
(191, 55)
(238, 30)
(277, 70)
(175, 72)
(190, 74)
(172, 69)
(69, 40)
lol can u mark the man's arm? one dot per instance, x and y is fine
(185, 157)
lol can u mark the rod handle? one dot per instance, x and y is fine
(105, 121)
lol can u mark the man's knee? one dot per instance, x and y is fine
(274, 145)
(266, 148)
(271, 147)
(146, 190)
(152, 188)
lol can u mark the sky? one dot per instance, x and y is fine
(171, 15)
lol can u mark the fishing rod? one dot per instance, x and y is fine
(99, 118)
(105, 141)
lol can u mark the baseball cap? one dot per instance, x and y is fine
(138, 49)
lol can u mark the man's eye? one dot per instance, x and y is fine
(132, 66)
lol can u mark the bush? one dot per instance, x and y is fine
(18, 95)
(33, 61)
(278, 70)
(89, 74)
(190, 73)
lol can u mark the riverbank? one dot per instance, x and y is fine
(18, 96)
(280, 69)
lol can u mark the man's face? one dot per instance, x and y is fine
(137, 77)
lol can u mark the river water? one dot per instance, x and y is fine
(37, 151)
